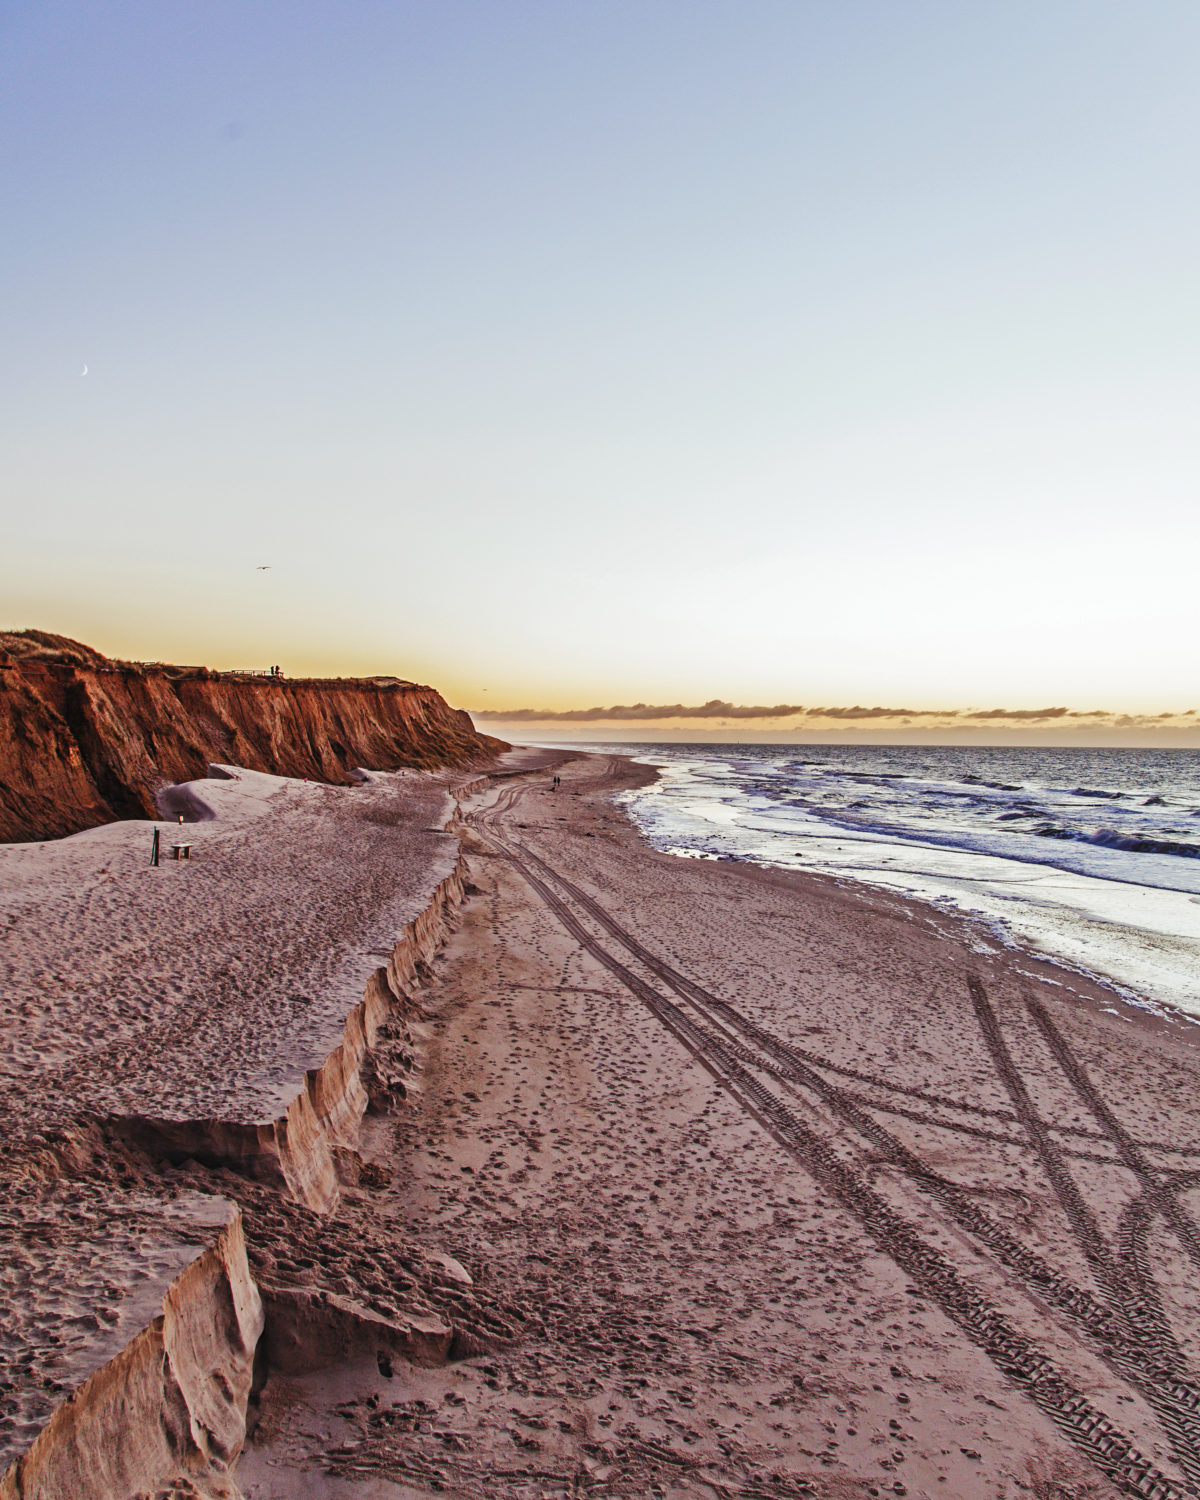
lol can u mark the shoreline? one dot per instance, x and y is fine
(967, 927)
(603, 1267)
(1059, 938)
(962, 927)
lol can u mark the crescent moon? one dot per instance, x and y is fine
(84, 370)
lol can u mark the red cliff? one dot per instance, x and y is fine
(85, 740)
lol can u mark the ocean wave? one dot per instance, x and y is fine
(1110, 838)
(1113, 838)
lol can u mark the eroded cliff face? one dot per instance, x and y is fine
(85, 740)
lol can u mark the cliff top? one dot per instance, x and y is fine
(49, 649)
(43, 648)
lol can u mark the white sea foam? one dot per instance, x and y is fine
(1091, 857)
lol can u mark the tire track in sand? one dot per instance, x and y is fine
(1181, 1222)
(1111, 1330)
(1081, 1422)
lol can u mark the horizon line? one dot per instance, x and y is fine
(723, 711)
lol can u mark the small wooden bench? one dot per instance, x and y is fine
(181, 851)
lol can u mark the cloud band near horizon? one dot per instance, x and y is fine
(717, 708)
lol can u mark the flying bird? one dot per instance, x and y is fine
(263, 568)
(84, 370)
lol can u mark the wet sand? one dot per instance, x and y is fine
(784, 1188)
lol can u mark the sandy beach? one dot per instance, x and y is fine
(678, 1177)
(599, 752)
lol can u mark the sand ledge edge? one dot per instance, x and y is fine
(173, 1403)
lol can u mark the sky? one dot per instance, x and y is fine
(578, 354)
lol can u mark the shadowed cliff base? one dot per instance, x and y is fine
(85, 740)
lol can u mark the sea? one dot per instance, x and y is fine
(1089, 857)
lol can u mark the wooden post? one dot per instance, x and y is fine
(154, 848)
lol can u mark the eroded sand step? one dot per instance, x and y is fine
(142, 1309)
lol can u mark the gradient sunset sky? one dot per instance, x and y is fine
(602, 353)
